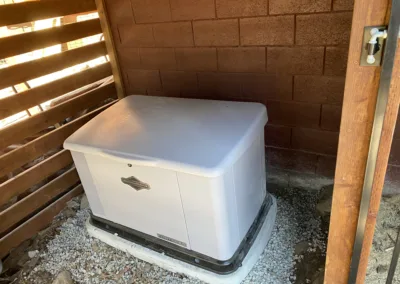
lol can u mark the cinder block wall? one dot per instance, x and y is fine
(287, 54)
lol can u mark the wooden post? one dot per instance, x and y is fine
(110, 45)
(389, 124)
(357, 117)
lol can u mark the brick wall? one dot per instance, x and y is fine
(287, 54)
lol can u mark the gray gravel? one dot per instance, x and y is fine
(91, 261)
(387, 226)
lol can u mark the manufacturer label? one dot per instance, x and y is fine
(171, 240)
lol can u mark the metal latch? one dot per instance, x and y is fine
(373, 45)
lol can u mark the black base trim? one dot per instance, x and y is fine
(186, 255)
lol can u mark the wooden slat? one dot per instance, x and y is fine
(112, 51)
(30, 151)
(37, 10)
(24, 100)
(18, 131)
(36, 68)
(26, 42)
(37, 199)
(22, 182)
(359, 103)
(36, 223)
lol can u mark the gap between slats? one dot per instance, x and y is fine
(22, 182)
(26, 42)
(36, 68)
(18, 131)
(36, 148)
(30, 227)
(38, 10)
(32, 97)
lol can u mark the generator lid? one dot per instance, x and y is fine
(201, 137)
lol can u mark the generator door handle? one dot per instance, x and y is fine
(135, 183)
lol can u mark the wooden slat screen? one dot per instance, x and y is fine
(36, 68)
(22, 182)
(38, 147)
(22, 43)
(37, 177)
(39, 10)
(35, 96)
(34, 124)
(30, 227)
(37, 199)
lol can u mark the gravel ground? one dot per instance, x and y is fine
(91, 261)
(387, 226)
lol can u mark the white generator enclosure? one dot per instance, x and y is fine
(181, 174)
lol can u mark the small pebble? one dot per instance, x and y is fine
(33, 253)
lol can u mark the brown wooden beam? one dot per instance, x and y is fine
(389, 124)
(359, 103)
(112, 51)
